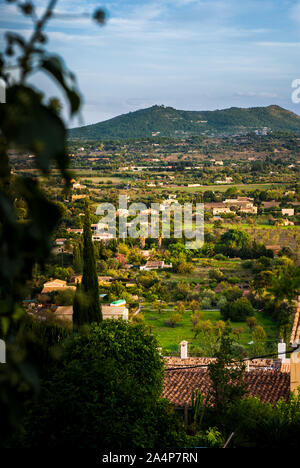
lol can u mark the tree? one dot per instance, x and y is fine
(180, 307)
(159, 305)
(87, 308)
(194, 305)
(232, 293)
(202, 326)
(237, 311)
(32, 124)
(174, 320)
(77, 258)
(196, 317)
(233, 240)
(259, 337)
(104, 394)
(285, 285)
(219, 327)
(226, 376)
(251, 322)
(262, 425)
(65, 297)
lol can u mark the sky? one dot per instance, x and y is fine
(188, 54)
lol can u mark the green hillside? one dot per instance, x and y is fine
(166, 121)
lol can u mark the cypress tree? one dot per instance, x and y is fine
(86, 301)
(79, 317)
(77, 259)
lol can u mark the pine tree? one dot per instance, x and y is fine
(87, 304)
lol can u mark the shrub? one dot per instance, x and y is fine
(220, 256)
(238, 310)
(174, 320)
(206, 303)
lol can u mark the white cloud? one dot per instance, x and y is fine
(262, 94)
(278, 44)
(295, 12)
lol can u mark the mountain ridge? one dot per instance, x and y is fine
(160, 120)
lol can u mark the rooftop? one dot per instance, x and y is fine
(267, 385)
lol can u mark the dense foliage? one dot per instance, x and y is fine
(105, 393)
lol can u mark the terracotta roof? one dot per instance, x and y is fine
(275, 248)
(270, 204)
(154, 263)
(174, 361)
(268, 386)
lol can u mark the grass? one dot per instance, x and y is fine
(170, 338)
(220, 188)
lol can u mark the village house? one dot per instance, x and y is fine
(99, 227)
(287, 222)
(101, 279)
(55, 285)
(220, 208)
(78, 186)
(60, 241)
(287, 211)
(248, 210)
(267, 379)
(77, 197)
(243, 204)
(104, 237)
(155, 265)
(274, 248)
(270, 204)
(75, 231)
(115, 310)
(227, 180)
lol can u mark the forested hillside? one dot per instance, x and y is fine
(167, 121)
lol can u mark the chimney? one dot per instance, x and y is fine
(183, 349)
(2, 352)
(295, 370)
(281, 350)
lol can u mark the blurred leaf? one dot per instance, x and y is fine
(28, 124)
(27, 8)
(54, 65)
(99, 16)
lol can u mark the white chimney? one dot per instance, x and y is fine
(281, 350)
(2, 352)
(183, 349)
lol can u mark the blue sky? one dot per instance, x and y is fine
(189, 54)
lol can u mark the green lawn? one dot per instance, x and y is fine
(169, 338)
(220, 187)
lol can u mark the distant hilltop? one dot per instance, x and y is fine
(166, 121)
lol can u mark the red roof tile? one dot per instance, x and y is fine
(268, 386)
